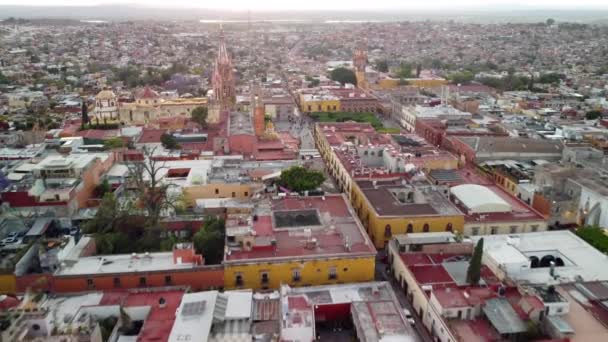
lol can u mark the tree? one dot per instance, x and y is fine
(168, 141)
(151, 191)
(405, 70)
(199, 115)
(594, 236)
(593, 115)
(550, 78)
(343, 76)
(209, 240)
(298, 178)
(550, 21)
(464, 77)
(474, 270)
(115, 142)
(382, 65)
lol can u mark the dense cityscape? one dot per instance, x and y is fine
(299, 181)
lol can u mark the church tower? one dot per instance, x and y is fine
(360, 64)
(224, 92)
(223, 82)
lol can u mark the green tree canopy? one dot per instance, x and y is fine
(382, 65)
(169, 142)
(209, 240)
(593, 115)
(474, 269)
(405, 70)
(594, 236)
(551, 78)
(115, 142)
(464, 77)
(343, 76)
(298, 178)
(550, 21)
(199, 115)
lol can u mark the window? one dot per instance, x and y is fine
(168, 280)
(238, 279)
(116, 282)
(217, 191)
(233, 194)
(246, 193)
(388, 231)
(513, 229)
(142, 281)
(534, 228)
(333, 273)
(295, 275)
(475, 231)
(410, 228)
(426, 228)
(448, 227)
(90, 283)
(265, 279)
(493, 230)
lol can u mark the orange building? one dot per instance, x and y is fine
(181, 267)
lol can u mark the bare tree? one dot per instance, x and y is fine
(152, 192)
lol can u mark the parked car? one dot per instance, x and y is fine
(408, 317)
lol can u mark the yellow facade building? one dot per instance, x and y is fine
(8, 284)
(301, 241)
(324, 102)
(394, 206)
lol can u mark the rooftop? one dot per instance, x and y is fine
(581, 260)
(374, 308)
(123, 263)
(521, 146)
(330, 229)
(399, 198)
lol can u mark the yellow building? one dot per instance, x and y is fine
(427, 82)
(8, 284)
(321, 102)
(149, 106)
(301, 241)
(217, 190)
(388, 207)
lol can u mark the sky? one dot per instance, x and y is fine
(264, 5)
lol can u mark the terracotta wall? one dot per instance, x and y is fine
(199, 278)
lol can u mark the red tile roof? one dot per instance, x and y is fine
(150, 135)
(330, 240)
(158, 324)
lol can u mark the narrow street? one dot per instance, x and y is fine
(382, 275)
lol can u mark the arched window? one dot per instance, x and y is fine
(448, 227)
(388, 231)
(410, 228)
(426, 228)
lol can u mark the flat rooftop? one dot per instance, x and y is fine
(519, 210)
(483, 145)
(582, 260)
(123, 263)
(443, 270)
(426, 201)
(374, 307)
(338, 232)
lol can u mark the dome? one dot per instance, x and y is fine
(479, 199)
(105, 95)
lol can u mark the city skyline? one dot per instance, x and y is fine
(270, 5)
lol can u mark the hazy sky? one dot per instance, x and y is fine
(335, 4)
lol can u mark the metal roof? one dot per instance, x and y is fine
(503, 317)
